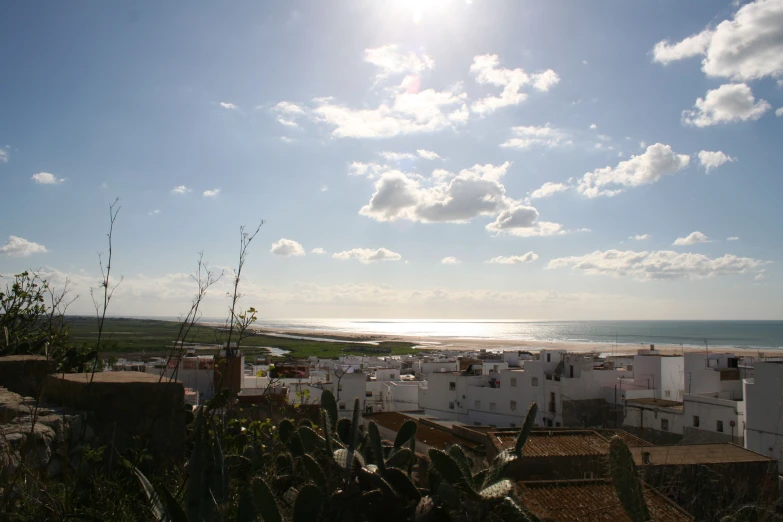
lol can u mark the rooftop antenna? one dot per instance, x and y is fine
(706, 347)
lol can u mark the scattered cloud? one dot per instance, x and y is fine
(391, 61)
(227, 105)
(548, 189)
(761, 275)
(153, 212)
(20, 247)
(747, 47)
(640, 237)
(487, 71)
(664, 264)
(287, 113)
(3, 156)
(318, 250)
(287, 247)
(451, 260)
(522, 220)
(732, 238)
(530, 136)
(427, 154)
(593, 126)
(779, 112)
(514, 260)
(45, 178)
(657, 161)
(397, 156)
(371, 170)
(324, 188)
(713, 159)
(728, 103)
(286, 139)
(691, 239)
(180, 189)
(368, 255)
(211, 193)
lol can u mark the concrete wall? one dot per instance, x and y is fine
(764, 410)
(709, 411)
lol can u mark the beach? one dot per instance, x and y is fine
(475, 344)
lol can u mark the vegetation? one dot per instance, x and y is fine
(137, 337)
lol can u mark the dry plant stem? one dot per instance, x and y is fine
(245, 240)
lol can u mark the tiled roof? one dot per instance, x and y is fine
(594, 500)
(554, 443)
(630, 440)
(425, 433)
(690, 454)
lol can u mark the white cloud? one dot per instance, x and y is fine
(452, 198)
(760, 277)
(45, 178)
(640, 237)
(227, 105)
(397, 156)
(368, 255)
(324, 188)
(286, 139)
(522, 220)
(371, 170)
(731, 102)
(691, 239)
(451, 260)
(747, 47)
(713, 159)
(3, 156)
(514, 260)
(287, 247)
(286, 122)
(287, 113)
(529, 136)
(391, 61)
(180, 189)
(548, 189)
(409, 111)
(153, 212)
(593, 126)
(664, 264)
(427, 154)
(657, 161)
(20, 247)
(732, 238)
(211, 193)
(779, 112)
(487, 71)
(318, 250)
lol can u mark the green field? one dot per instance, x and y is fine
(140, 337)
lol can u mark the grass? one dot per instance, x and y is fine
(139, 337)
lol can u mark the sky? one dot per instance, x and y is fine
(443, 159)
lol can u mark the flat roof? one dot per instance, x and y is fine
(426, 433)
(690, 454)
(554, 443)
(114, 377)
(594, 500)
(651, 401)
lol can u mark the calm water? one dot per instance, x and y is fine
(740, 334)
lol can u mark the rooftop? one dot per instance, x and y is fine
(113, 377)
(652, 401)
(594, 500)
(554, 443)
(426, 432)
(690, 454)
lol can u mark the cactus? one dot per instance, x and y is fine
(527, 427)
(307, 505)
(626, 481)
(315, 471)
(265, 501)
(329, 406)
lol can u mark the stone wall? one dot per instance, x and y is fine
(24, 374)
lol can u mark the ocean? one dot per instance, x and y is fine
(737, 334)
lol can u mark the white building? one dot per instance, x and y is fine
(764, 410)
(661, 373)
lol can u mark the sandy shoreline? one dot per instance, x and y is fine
(468, 344)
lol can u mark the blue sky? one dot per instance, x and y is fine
(452, 159)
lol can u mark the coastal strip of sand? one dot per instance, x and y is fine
(471, 344)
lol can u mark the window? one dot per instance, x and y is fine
(719, 427)
(667, 393)
(491, 406)
(368, 394)
(339, 387)
(342, 405)
(548, 422)
(695, 421)
(452, 386)
(514, 382)
(513, 405)
(588, 475)
(513, 425)
(571, 371)
(451, 405)
(477, 405)
(549, 357)
(664, 424)
(557, 425)
(552, 402)
(534, 381)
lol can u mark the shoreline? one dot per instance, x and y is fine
(474, 344)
